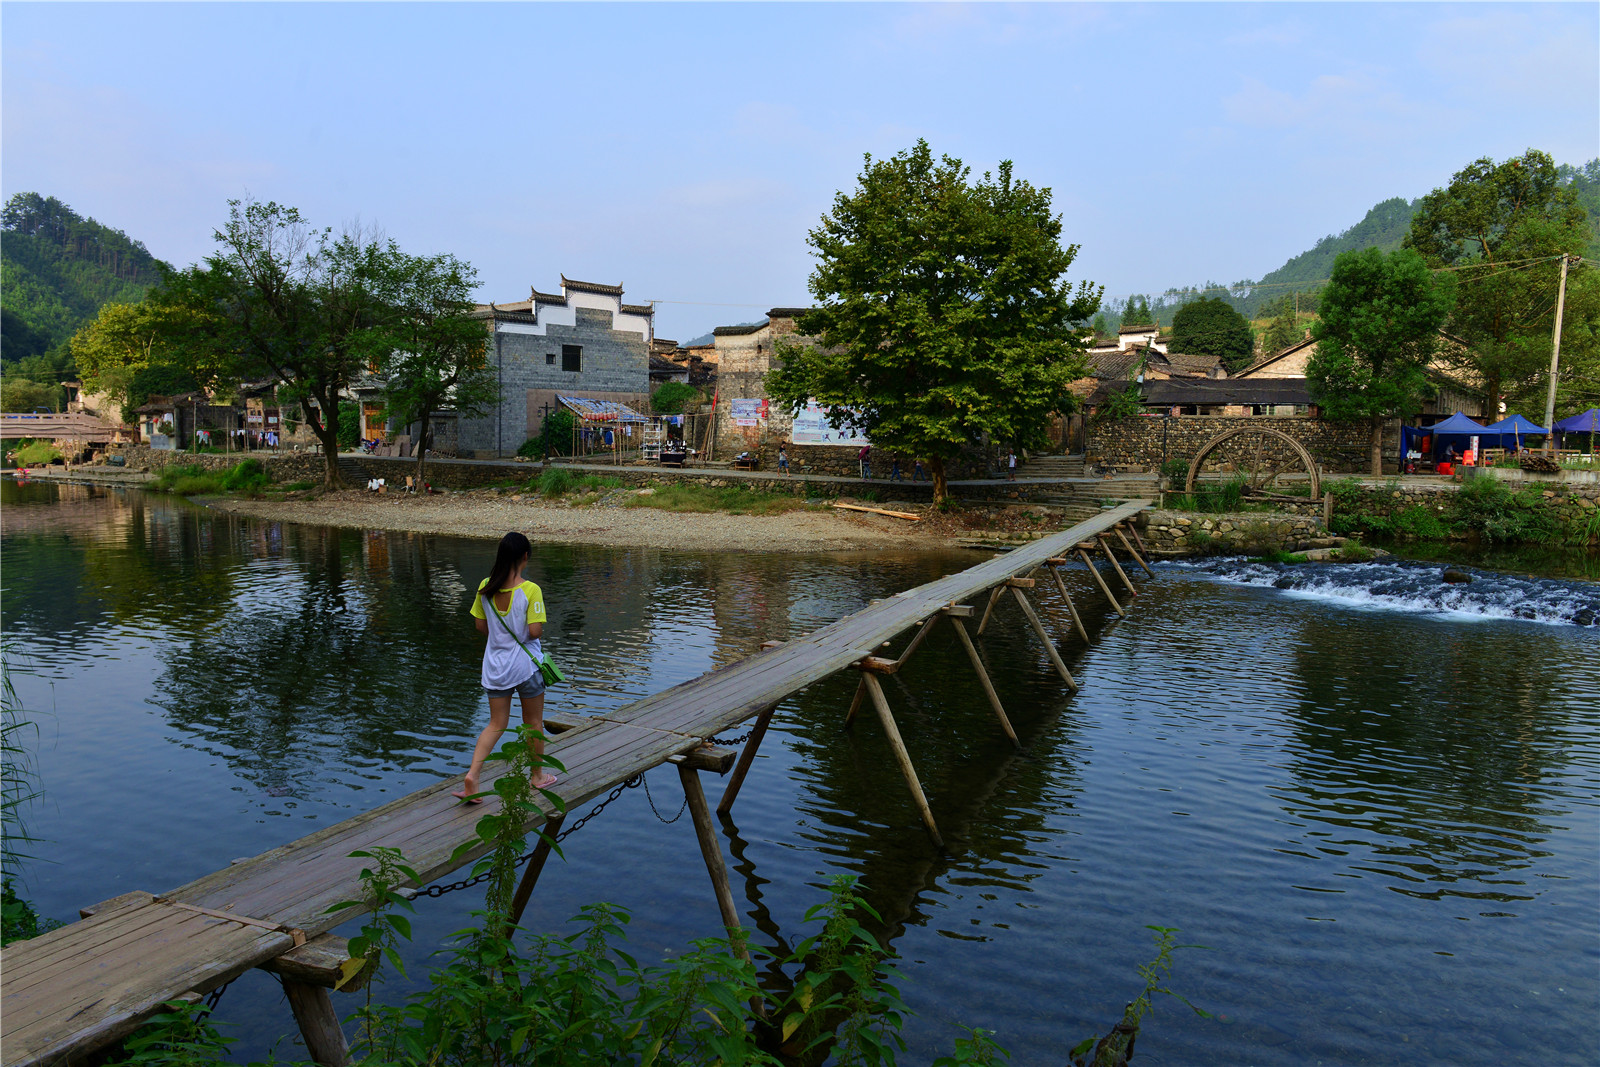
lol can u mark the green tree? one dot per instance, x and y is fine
(22, 395)
(1502, 229)
(671, 398)
(1378, 331)
(437, 355)
(1136, 312)
(281, 299)
(1210, 327)
(1283, 330)
(944, 314)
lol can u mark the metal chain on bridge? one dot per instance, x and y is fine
(216, 995)
(440, 889)
(657, 810)
(729, 742)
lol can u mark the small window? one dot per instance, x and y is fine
(572, 357)
(549, 359)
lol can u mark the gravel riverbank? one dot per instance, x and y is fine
(491, 515)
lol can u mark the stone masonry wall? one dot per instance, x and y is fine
(1186, 533)
(1137, 441)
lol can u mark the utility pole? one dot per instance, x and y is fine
(1555, 362)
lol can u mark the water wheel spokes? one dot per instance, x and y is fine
(1261, 454)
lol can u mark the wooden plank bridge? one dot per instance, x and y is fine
(91, 983)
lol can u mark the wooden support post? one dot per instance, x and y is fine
(1100, 581)
(541, 852)
(710, 849)
(1137, 539)
(319, 1023)
(1327, 511)
(1136, 557)
(1105, 546)
(983, 676)
(855, 703)
(1072, 609)
(902, 757)
(994, 595)
(916, 640)
(1044, 635)
(746, 758)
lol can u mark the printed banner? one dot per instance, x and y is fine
(811, 427)
(747, 412)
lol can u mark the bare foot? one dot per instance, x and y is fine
(468, 787)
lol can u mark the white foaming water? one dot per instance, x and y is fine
(1418, 588)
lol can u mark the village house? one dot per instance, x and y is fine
(584, 342)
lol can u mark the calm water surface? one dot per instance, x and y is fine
(1373, 800)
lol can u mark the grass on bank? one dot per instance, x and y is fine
(34, 454)
(248, 476)
(733, 499)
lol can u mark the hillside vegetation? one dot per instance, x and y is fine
(57, 269)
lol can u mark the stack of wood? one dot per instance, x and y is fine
(1543, 464)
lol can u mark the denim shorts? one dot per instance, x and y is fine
(533, 687)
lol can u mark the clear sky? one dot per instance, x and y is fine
(685, 149)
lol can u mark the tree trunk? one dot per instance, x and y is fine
(1492, 404)
(1377, 446)
(422, 448)
(941, 487)
(324, 421)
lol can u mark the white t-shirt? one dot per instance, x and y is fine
(505, 664)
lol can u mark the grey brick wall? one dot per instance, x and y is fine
(615, 366)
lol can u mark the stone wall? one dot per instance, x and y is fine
(1188, 533)
(1141, 441)
(1572, 507)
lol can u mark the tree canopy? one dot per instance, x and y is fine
(1378, 331)
(1501, 229)
(1210, 327)
(1136, 311)
(944, 315)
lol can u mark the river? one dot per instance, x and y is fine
(1371, 797)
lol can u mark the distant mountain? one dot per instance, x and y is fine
(1383, 227)
(57, 269)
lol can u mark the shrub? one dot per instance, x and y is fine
(36, 454)
(349, 424)
(187, 479)
(1175, 469)
(558, 426)
(555, 481)
(246, 476)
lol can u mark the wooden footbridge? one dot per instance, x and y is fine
(87, 985)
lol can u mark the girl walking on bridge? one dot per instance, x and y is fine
(514, 623)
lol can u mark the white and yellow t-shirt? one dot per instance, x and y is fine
(505, 663)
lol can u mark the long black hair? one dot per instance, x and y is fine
(513, 549)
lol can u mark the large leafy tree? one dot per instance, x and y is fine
(1378, 331)
(1210, 326)
(944, 314)
(436, 355)
(132, 351)
(282, 299)
(1501, 229)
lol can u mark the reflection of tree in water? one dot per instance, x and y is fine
(1430, 757)
(350, 660)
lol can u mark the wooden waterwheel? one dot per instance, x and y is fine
(1261, 456)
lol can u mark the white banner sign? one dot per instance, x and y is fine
(748, 412)
(811, 427)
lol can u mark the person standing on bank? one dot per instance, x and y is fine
(514, 631)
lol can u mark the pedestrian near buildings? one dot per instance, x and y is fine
(865, 456)
(1011, 466)
(917, 473)
(894, 468)
(783, 461)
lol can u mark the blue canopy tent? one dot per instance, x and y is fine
(1515, 427)
(1585, 422)
(1457, 430)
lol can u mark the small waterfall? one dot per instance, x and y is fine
(1395, 585)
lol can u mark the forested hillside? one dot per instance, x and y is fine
(1382, 227)
(56, 270)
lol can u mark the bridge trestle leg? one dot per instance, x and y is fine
(901, 756)
(855, 704)
(530, 876)
(994, 595)
(1105, 546)
(983, 675)
(1044, 636)
(748, 757)
(318, 1022)
(1055, 566)
(1099, 580)
(1136, 557)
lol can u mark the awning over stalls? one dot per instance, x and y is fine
(1583, 422)
(591, 410)
(1517, 425)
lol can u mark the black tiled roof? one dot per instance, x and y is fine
(591, 287)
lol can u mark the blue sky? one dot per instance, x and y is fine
(685, 149)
